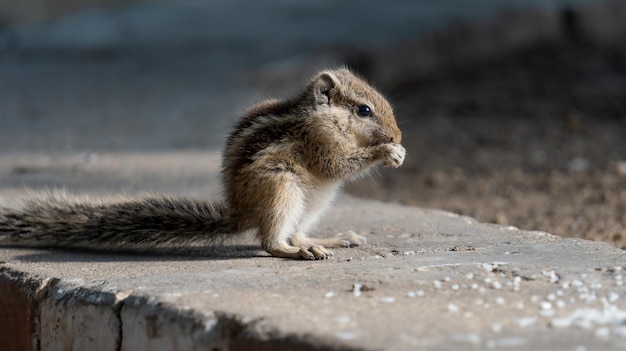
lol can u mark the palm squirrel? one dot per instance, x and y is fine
(282, 166)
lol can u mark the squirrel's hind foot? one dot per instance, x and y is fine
(350, 239)
(307, 252)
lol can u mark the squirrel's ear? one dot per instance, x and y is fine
(323, 87)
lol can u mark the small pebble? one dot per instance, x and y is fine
(488, 267)
(356, 289)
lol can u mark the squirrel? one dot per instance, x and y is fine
(282, 166)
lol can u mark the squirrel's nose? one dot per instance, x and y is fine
(397, 138)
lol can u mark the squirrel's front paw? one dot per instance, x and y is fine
(394, 155)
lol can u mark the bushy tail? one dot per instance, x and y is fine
(57, 220)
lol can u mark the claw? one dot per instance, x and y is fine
(305, 254)
(320, 252)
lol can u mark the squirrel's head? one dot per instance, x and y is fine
(356, 106)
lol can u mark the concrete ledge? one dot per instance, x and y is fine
(427, 279)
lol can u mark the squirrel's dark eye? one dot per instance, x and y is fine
(363, 111)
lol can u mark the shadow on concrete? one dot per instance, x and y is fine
(179, 254)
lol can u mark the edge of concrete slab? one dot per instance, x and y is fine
(44, 313)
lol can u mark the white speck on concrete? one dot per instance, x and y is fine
(329, 294)
(343, 319)
(496, 328)
(452, 307)
(420, 293)
(554, 278)
(356, 289)
(387, 299)
(500, 300)
(347, 335)
(526, 321)
(545, 305)
(455, 286)
(470, 276)
(437, 284)
(488, 266)
(496, 285)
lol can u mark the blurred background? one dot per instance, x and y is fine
(513, 111)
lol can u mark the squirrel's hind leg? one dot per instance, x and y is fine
(279, 219)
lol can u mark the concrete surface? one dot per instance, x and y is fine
(427, 279)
